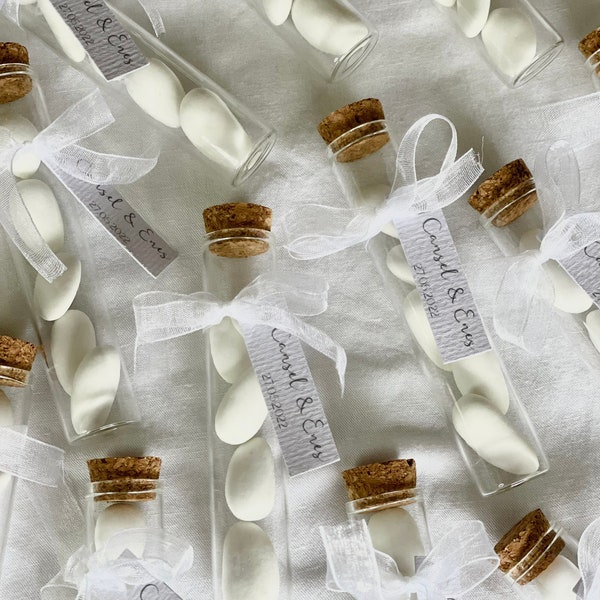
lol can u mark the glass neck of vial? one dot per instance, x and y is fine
(394, 499)
(233, 258)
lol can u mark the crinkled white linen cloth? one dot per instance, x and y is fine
(421, 65)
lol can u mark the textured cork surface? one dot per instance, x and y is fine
(16, 360)
(13, 87)
(244, 220)
(528, 548)
(590, 44)
(508, 193)
(120, 476)
(338, 129)
(380, 478)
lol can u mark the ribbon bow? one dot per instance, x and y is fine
(461, 561)
(275, 300)
(110, 573)
(524, 300)
(588, 557)
(57, 147)
(334, 229)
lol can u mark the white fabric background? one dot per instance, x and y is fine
(421, 65)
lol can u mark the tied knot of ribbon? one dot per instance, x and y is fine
(523, 303)
(57, 146)
(276, 300)
(461, 561)
(111, 572)
(333, 229)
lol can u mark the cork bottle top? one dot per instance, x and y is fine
(124, 477)
(242, 222)
(337, 129)
(13, 87)
(380, 478)
(16, 361)
(590, 44)
(528, 548)
(508, 193)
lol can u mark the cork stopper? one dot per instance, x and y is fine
(590, 44)
(337, 129)
(13, 87)
(528, 548)
(508, 193)
(16, 361)
(380, 478)
(243, 223)
(124, 477)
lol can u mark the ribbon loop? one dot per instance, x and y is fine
(523, 305)
(56, 146)
(335, 229)
(273, 300)
(460, 562)
(588, 557)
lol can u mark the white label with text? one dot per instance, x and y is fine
(292, 398)
(156, 590)
(584, 268)
(439, 276)
(105, 40)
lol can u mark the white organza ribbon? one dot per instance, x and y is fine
(29, 459)
(275, 300)
(57, 147)
(523, 304)
(101, 576)
(588, 557)
(461, 561)
(333, 229)
(10, 8)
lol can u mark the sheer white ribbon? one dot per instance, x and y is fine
(461, 561)
(333, 229)
(274, 300)
(588, 557)
(57, 147)
(523, 303)
(101, 576)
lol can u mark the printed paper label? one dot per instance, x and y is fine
(110, 47)
(126, 225)
(439, 276)
(584, 268)
(292, 398)
(156, 590)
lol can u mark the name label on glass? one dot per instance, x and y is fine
(156, 590)
(105, 40)
(126, 225)
(292, 399)
(439, 277)
(584, 268)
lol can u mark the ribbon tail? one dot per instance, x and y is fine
(522, 308)
(10, 8)
(588, 557)
(152, 11)
(20, 228)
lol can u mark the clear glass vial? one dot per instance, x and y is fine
(512, 216)
(363, 157)
(330, 35)
(589, 46)
(206, 120)
(16, 361)
(88, 377)
(513, 36)
(539, 559)
(387, 497)
(125, 493)
(248, 483)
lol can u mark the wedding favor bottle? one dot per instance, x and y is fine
(248, 505)
(512, 35)
(512, 216)
(171, 93)
(16, 361)
(589, 46)
(330, 35)
(125, 493)
(387, 497)
(88, 378)
(491, 427)
(539, 559)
